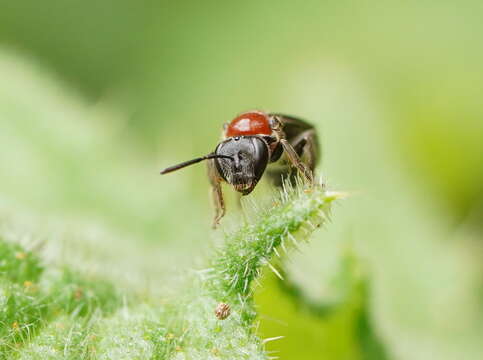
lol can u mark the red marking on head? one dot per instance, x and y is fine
(249, 123)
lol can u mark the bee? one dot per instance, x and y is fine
(251, 141)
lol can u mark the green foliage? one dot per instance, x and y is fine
(252, 246)
(31, 298)
(81, 296)
(236, 264)
(54, 312)
(17, 265)
(394, 90)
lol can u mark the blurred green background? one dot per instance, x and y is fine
(97, 96)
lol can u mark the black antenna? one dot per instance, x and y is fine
(194, 161)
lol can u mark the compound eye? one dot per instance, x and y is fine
(260, 157)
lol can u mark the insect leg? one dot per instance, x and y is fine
(306, 145)
(216, 193)
(296, 162)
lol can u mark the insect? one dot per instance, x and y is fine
(251, 141)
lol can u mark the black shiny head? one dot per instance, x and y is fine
(249, 158)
